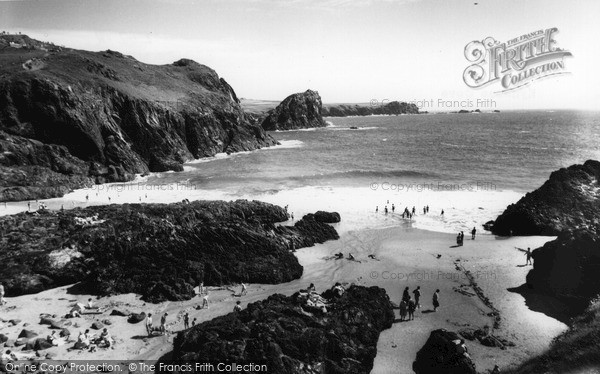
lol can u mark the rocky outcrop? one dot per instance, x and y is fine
(160, 251)
(103, 117)
(568, 266)
(569, 200)
(290, 335)
(391, 108)
(441, 355)
(297, 111)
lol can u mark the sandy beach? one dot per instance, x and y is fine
(404, 256)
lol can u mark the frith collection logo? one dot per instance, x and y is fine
(516, 62)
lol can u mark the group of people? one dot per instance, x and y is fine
(406, 213)
(162, 329)
(460, 238)
(88, 340)
(409, 304)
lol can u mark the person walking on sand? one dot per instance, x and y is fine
(385, 210)
(417, 293)
(377, 209)
(406, 295)
(442, 213)
(186, 321)
(149, 324)
(393, 208)
(163, 323)
(473, 232)
(403, 309)
(244, 290)
(411, 309)
(436, 300)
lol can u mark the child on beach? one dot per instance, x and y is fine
(186, 321)
(436, 300)
(237, 307)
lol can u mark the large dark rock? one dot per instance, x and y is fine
(569, 200)
(297, 111)
(327, 217)
(391, 108)
(289, 336)
(69, 118)
(440, 355)
(160, 251)
(569, 266)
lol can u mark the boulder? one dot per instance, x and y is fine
(3, 338)
(14, 322)
(327, 217)
(27, 334)
(120, 313)
(136, 317)
(65, 333)
(440, 355)
(97, 325)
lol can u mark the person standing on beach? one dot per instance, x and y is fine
(237, 308)
(163, 323)
(436, 300)
(411, 309)
(417, 293)
(244, 290)
(186, 321)
(149, 323)
(385, 210)
(205, 301)
(393, 208)
(403, 309)
(406, 295)
(528, 254)
(377, 209)
(442, 212)
(473, 232)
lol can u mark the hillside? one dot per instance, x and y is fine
(70, 118)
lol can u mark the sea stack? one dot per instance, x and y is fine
(297, 111)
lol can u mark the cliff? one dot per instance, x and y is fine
(569, 200)
(69, 118)
(391, 108)
(297, 111)
(290, 335)
(160, 251)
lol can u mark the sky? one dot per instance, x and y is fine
(349, 51)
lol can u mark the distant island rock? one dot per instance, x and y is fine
(302, 333)
(391, 108)
(569, 200)
(70, 118)
(297, 111)
(161, 251)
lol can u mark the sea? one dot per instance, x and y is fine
(470, 166)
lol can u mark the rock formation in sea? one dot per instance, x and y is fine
(568, 200)
(297, 111)
(391, 108)
(302, 333)
(441, 355)
(70, 118)
(160, 251)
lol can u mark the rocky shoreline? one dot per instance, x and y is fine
(83, 117)
(332, 332)
(161, 251)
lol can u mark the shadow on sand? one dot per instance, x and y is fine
(559, 309)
